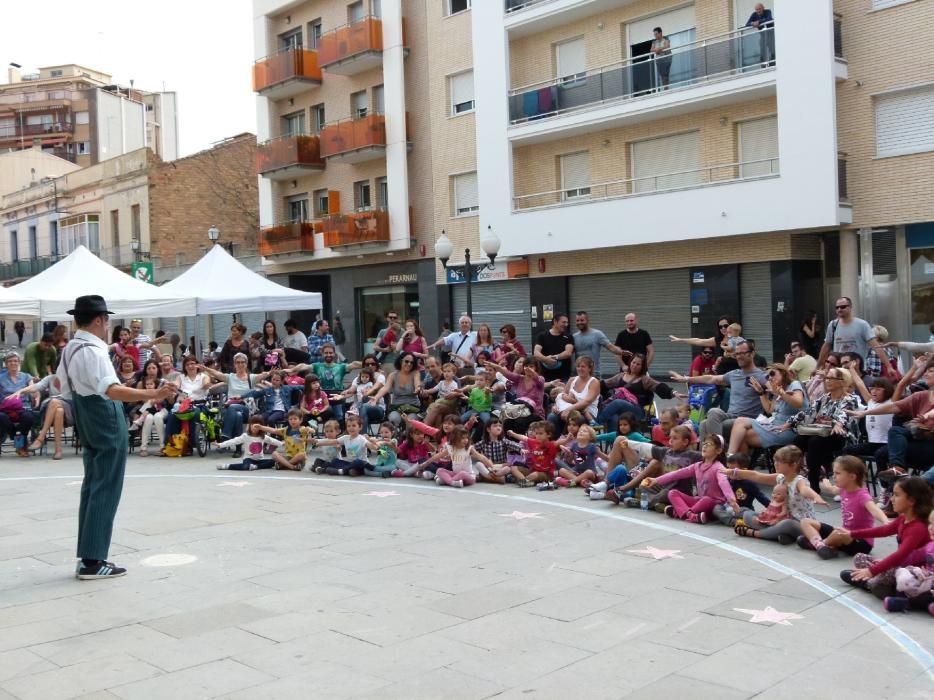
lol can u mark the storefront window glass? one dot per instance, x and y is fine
(922, 293)
(374, 302)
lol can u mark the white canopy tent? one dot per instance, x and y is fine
(12, 305)
(82, 272)
(220, 284)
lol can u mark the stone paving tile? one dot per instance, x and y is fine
(79, 679)
(299, 655)
(573, 604)
(100, 645)
(196, 683)
(391, 625)
(325, 680)
(440, 683)
(758, 600)
(481, 602)
(750, 668)
(22, 662)
(621, 669)
(191, 623)
(675, 686)
(703, 634)
(521, 666)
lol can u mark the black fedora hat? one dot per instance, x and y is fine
(89, 304)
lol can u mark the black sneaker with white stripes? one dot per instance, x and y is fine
(99, 569)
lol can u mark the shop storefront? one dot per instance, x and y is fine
(362, 295)
(499, 296)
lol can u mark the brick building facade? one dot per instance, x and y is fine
(216, 187)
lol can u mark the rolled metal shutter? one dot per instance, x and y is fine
(169, 325)
(498, 303)
(253, 320)
(661, 300)
(755, 284)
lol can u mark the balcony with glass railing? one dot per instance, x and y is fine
(517, 5)
(663, 182)
(287, 238)
(739, 53)
(20, 269)
(354, 140)
(286, 73)
(289, 156)
(357, 228)
(352, 48)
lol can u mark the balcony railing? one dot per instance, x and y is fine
(51, 129)
(664, 182)
(370, 226)
(516, 5)
(842, 193)
(351, 40)
(288, 153)
(740, 52)
(837, 35)
(285, 238)
(26, 268)
(300, 65)
(348, 135)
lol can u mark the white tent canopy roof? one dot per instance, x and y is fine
(12, 304)
(82, 272)
(220, 284)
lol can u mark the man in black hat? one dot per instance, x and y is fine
(87, 377)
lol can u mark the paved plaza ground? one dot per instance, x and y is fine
(271, 585)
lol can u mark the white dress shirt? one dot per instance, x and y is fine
(90, 368)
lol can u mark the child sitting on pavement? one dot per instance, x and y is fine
(294, 437)
(252, 442)
(355, 446)
(463, 470)
(713, 488)
(540, 452)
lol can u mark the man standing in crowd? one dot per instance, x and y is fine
(143, 342)
(460, 344)
(746, 386)
(849, 333)
(554, 349)
(799, 363)
(295, 343)
(39, 357)
(588, 341)
(385, 344)
(636, 340)
(87, 377)
(320, 337)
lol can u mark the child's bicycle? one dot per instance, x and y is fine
(207, 428)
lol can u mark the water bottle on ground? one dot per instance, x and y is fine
(643, 499)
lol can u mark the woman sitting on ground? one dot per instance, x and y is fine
(528, 388)
(580, 393)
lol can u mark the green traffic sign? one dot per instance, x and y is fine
(143, 272)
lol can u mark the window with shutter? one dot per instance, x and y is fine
(466, 198)
(571, 60)
(758, 147)
(666, 163)
(321, 203)
(355, 11)
(379, 102)
(462, 97)
(575, 175)
(359, 104)
(905, 122)
(455, 6)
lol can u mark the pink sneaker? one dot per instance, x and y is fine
(398, 473)
(561, 481)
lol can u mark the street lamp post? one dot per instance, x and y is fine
(214, 234)
(489, 244)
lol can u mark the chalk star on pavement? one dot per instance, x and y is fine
(519, 515)
(770, 614)
(238, 484)
(381, 494)
(657, 553)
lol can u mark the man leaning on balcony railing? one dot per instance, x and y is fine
(761, 19)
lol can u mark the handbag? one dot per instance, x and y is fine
(814, 429)
(12, 406)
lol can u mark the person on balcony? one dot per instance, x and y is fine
(761, 19)
(661, 52)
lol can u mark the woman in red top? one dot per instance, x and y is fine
(911, 500)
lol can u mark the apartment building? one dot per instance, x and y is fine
(751, 171)
(80, 114)
(343, 158)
